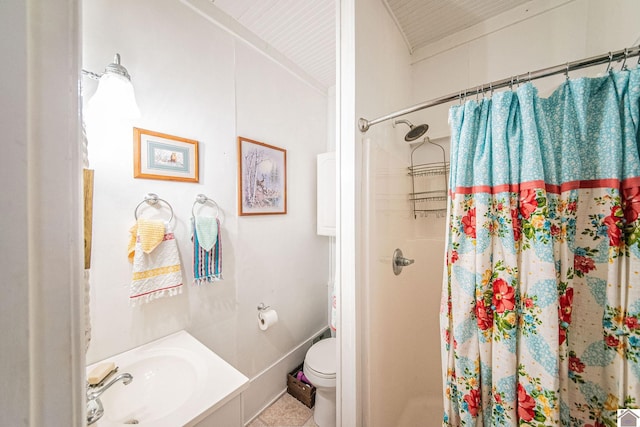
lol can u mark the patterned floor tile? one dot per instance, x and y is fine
(286, 412)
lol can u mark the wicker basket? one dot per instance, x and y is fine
(304, 392)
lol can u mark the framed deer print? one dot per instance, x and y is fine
(262, 178)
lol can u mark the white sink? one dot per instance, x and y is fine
(177, 381)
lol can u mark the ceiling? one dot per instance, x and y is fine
(301, 30)
(425, 21)
(304, 30)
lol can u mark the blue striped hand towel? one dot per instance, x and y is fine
(207, 263)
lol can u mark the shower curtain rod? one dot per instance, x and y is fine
(609, 58)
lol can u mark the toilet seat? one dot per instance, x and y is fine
(319, 374)
(320, 364)
(321, 358)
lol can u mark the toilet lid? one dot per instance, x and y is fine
(321, 357)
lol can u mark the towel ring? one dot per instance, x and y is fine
(202, 199)
(152, 199)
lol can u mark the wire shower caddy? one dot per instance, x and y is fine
(428, 192)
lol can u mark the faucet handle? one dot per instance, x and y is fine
(95, 409)
(125, 377)
(399, 261)
(404, 261)
(90, 388)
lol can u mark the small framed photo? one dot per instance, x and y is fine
(160, 156)
(262, 176)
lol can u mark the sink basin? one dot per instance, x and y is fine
(177, 381)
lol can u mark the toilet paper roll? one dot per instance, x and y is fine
(267, 318)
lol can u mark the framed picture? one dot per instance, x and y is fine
(160, 156)
(262, 175)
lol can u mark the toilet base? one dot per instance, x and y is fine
(324, 413)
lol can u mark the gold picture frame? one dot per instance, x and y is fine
(161, 156)
(262, 178)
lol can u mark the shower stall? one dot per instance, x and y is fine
(400, 308)
(389, 356)
(391, 339)
(396, 356)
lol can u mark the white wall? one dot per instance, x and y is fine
(14, 262)
(40, 338)
(197, 81)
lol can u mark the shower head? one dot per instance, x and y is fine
(415, 132)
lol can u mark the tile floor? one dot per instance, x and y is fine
(287, 411)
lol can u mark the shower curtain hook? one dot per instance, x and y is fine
(566, 72)
(491, 88)
(460, 97)
(609, 64)
(529, 77)
(511, 84)
(624, 62)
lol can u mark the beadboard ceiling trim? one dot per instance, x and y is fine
(215, 15)
(304, 31)
(398, 26)
(300, 35)
(426, 21)
(488, 26)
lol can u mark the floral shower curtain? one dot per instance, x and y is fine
(541, 305)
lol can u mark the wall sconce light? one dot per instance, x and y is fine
(114, 97)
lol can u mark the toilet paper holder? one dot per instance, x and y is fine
(262, 308)
(267, 317)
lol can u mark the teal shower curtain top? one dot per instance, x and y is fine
(584, 131)
(541, 303)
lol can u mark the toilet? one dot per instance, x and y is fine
(320, 370)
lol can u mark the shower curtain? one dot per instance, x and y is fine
(541, 303)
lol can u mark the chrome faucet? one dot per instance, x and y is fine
(94, 405)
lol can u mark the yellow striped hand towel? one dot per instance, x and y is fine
(156, 273)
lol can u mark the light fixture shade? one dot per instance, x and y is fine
(114, 98)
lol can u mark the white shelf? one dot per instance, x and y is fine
(326, 193)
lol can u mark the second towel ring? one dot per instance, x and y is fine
(152, 199)
(202, 199)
